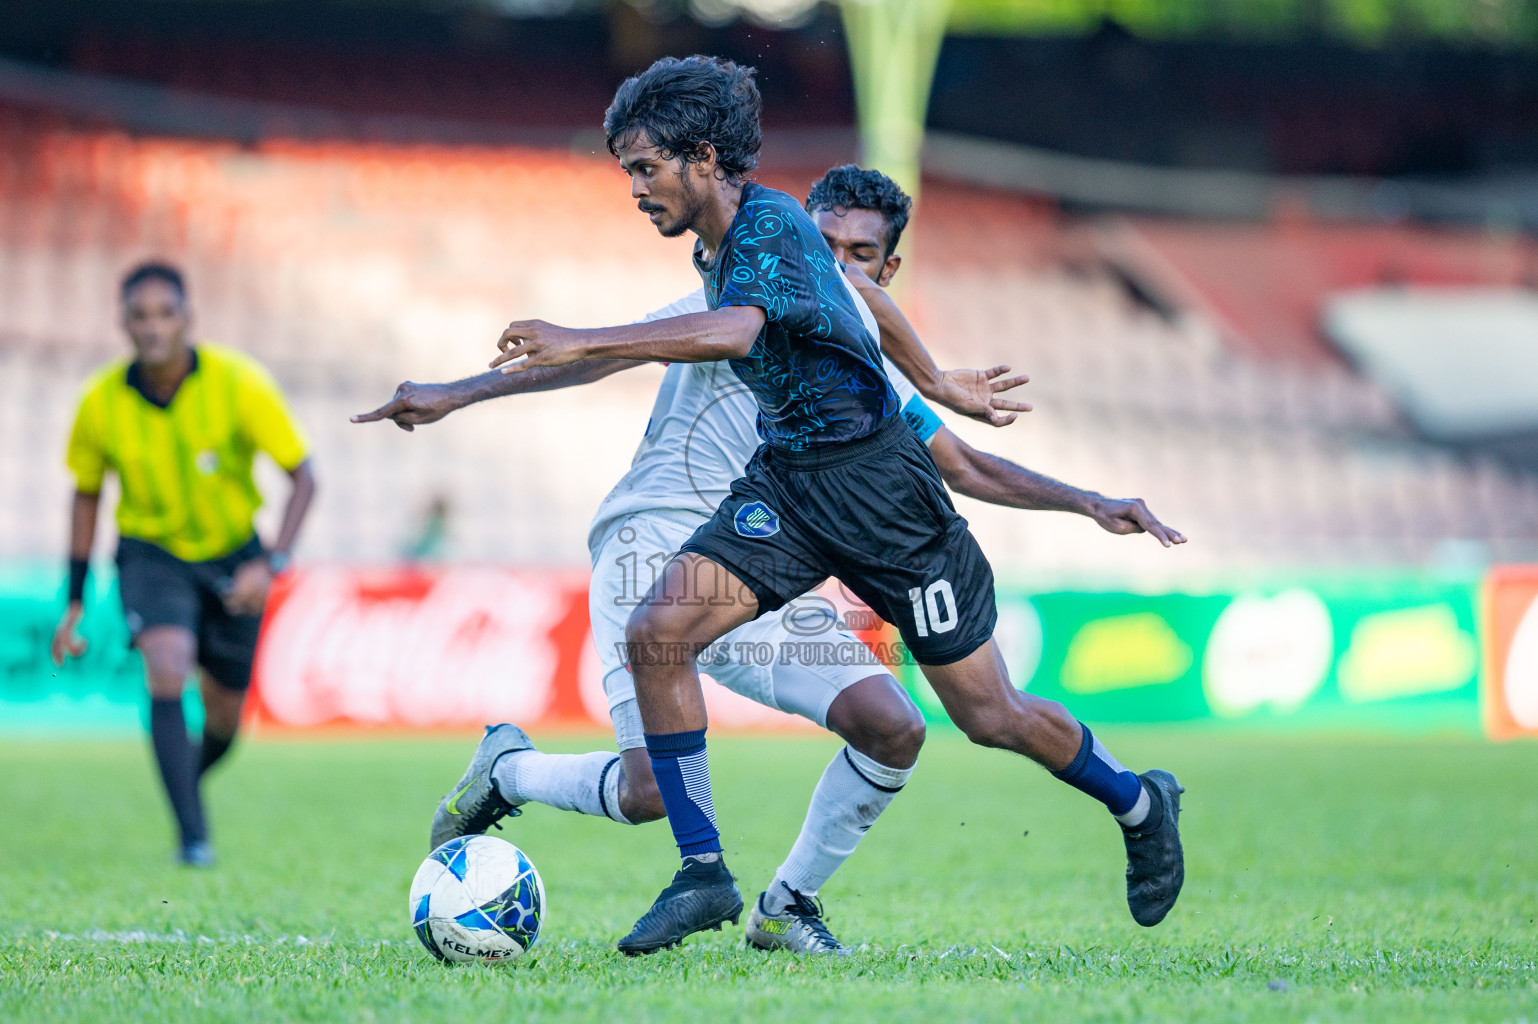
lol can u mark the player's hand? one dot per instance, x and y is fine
(413, 405)
(975, 393)
(248, 590)
(67, 643)
(528, 343)
(1124, 516)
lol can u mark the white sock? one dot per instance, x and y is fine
(850, 796)
(587, 783)
(1139, 811)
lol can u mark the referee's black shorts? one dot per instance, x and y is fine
(873, 513)
(159, 589)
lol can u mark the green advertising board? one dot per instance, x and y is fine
(1370, 653)
(1364, 652)
(101, 692)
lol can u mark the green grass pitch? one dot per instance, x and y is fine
(1327, 878)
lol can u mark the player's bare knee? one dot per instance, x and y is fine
(167, 675)
(877, 718)
(894, 742)
(169, 653)
(644, 625)
(649, 634)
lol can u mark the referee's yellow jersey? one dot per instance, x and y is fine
(185, 468)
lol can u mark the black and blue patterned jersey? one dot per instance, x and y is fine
(814, 370)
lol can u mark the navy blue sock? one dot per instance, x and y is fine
(1096, 772)
(212, 751)
(683, 779)
(178, 767)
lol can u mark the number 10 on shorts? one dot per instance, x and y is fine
(934, 608)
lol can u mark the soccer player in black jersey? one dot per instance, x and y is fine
(861, 214)
(842, 487)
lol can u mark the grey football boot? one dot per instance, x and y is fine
(703, 896)
(1156, 867)
(474, 805)
(798, 928)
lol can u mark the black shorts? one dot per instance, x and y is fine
(159, 589)
(873, 513)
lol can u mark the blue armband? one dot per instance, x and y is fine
(924, 420)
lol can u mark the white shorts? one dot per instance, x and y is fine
(795, 660)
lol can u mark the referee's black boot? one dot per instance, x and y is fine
(196, 854)
(703, 895)
(1156, 866)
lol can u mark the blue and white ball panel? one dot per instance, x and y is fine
(477, 898)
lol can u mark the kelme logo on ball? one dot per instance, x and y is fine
(755, 519)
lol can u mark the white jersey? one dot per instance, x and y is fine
(702, 432)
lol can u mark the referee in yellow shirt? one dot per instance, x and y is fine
(180, 426)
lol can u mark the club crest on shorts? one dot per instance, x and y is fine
(755, 519)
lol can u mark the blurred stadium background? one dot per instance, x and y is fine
(1272, 267)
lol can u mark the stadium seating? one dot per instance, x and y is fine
(347, 268)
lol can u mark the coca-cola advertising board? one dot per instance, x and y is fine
(449, 647)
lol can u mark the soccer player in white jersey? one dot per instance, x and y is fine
(700, 435)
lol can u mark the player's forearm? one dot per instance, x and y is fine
(725, 333)
(496, 384)
(899, 340)
(82, 524)
(298, 506)
(1001, 482)
(417, 404)
(82, 531)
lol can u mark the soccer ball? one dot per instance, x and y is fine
(477, 898)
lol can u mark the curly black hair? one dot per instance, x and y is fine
(153, 271)
(681, 103)
(852, 187)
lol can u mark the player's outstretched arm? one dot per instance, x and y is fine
(67, 642)
(972, 393)
(417, 404)
(1000, 482)
(725, 333)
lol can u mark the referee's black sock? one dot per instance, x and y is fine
(213, 749)
(178, 767)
